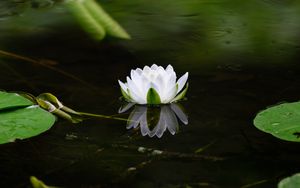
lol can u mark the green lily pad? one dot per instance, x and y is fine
(290, 182)
(20, 118)
(24, 123)
(282, 121)
(12, 100)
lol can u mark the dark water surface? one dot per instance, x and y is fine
(242, 57)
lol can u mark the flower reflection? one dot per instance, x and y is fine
(154, 121)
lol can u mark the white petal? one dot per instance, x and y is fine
(146, 70)
(131, 73)
(172, 79)
(180, 114)
(169, 69)
(145, 86)
(130, 84)
(160, 129)
(136, 117)
(134, 92)
(159, 82)
(126, 107)
(156, 87)
(181, 82)
(139, 71)
(154, 67)
(170, 84)
(161, 69)
(123, 86)
(144, 125)
(170, 94)
(161, 125)
(136, 78)
(171, 121)
(135, 98)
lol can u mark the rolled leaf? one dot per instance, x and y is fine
(103, 18)
(85, 18)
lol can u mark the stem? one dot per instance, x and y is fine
(103, 116)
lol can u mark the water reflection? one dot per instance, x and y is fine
(154, 121)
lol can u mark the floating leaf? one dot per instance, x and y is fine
(24, 123)
(12, 100)
(290, 182)
(282, 121)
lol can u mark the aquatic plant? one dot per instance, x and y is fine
(89, 13)
(23, 115)
(36, 183)
(95, 20)
(290, 182)
(154, 85)
(21, 118)
(282, 121)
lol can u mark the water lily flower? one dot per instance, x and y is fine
(154, 85)
(166, 116)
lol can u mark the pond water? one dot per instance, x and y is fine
(241, 57)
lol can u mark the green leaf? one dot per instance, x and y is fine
(282, 121)
(95, 20)
(153, 97)
(125, 95)
(36, 183)
(13, 100)
(24, 123)
(290, 182)
(50, 98)
(182, 94)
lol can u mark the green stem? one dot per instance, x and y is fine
(103, 116)
(64, 115)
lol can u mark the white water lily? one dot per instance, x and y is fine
(154, 85)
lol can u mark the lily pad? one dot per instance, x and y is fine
(282, 121)
(290, 182)
(20, 118)
(24, 123)
(12, 100)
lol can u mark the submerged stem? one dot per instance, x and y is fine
(48, 66)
